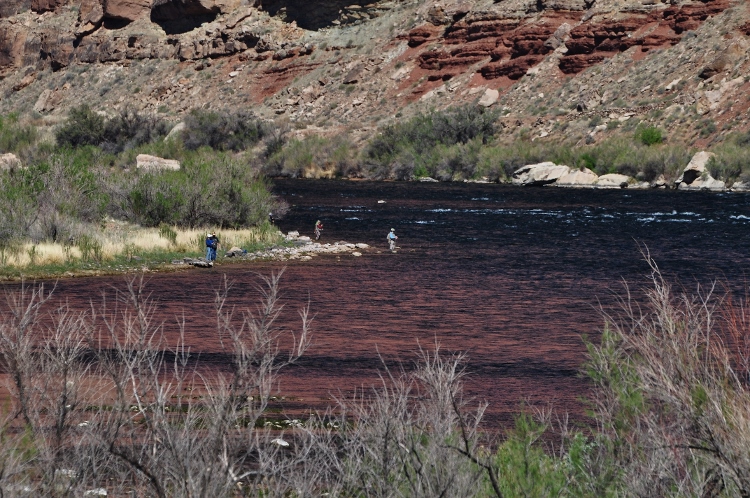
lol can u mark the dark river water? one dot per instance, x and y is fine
(511, 276)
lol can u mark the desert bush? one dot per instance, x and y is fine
(649, 135)
(100, 400)
(671, 394)
(209, 190)
(313, 155)
(131, 129)
(406, 437)
(14, 137)
(396, 143)
(731, 162)
(47, 199)
(83, 127)
(226, 130)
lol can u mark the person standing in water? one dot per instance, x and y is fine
(391, 237)
(318, 228)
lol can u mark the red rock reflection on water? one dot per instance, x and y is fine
(510, 276)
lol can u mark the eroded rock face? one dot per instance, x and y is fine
(12, 7)
(12, 42)
(46, 5)
(592, 42)
(126, 10)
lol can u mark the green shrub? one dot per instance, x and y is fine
(209, 190)
(223, 130)
(397, 144)
(650, 135)
(706, 128)
(13, 136)
(330, 154)
(83, 127)
(130, 129)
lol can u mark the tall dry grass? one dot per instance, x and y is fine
(123, 240)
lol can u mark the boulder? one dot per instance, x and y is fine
(660, 182)
(577, 178)
(25, 81)
(175, 131)
(740, 186)
(704, 182)
(48, 100)
(153, 163)
(9, 161)
(613, 180)
(695, 168)
(235, 252)
(539, 174)
(490, 97)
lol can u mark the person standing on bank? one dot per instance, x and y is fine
(391, 237)
(212, 244)
(318, 228)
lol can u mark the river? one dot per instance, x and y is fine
(511, 276)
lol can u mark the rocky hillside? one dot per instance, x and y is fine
(577, 70)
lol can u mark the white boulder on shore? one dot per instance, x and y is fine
(614, 180)
(558, 175)
(539, 174)
(577, 178)
(695, 176)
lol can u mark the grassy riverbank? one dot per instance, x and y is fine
(121, 247)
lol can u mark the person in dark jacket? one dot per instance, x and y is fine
(212, 244)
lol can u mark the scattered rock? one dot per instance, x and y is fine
(660, 182)
(175, 131)
(695, 176)
(490, 97)
(153, 163)
(25, 81)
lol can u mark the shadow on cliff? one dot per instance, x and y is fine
(321, 15)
